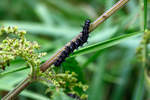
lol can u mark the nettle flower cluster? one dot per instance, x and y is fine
(16, 45)
(66, 81)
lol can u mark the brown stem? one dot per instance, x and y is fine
(12, 94)
(49, 62)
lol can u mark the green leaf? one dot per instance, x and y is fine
(43, 29)
(139, 88)
(13, 78)
(91, 59)
(145, 14)
(43, 13)
(61, 96)
(73, 66)
(65, 7)
(125, 74)
(13, 71)
(97, 85)
(104, 44)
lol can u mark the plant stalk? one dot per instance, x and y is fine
(145, 14)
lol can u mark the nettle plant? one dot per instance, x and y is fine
(16, 45)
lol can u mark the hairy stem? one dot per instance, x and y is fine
(49, 62)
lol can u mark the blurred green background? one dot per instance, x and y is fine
(112, 73)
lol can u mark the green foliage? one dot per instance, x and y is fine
(59, 95)
(114, 74)
(66, 81)
(72, 65)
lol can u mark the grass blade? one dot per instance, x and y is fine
(13, 71)
(105, 44)
(125, 75)
(145, 14)
(97, 85)
(139, 88)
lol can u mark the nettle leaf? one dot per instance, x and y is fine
(72, 65)
(60, 95)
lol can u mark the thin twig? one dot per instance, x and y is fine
(49, 62)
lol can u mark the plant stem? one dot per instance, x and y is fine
(48, 63)
(12, 94)
(145, 14)
(145, 48)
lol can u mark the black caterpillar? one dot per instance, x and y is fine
(74, 44)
